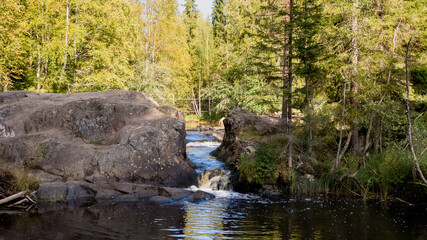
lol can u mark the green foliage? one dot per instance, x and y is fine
(388, 173)
(419, 80)
(260, 168)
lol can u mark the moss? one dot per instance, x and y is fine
(98, 142)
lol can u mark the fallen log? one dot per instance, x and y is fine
(12, 198)
(19, 202)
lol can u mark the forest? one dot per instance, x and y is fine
(349, 77)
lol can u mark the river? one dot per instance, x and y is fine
(229, 216)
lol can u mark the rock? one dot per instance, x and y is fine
(174, 193)
(65, 191)
(270, 191)
(101, 137)
(116, 192)
(200, 196)
(140, 190)
(160, 199)
(242, 130)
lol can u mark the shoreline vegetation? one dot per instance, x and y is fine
(387, 176)
(344, 81)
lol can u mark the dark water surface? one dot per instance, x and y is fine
(220, 219)
(229, 216)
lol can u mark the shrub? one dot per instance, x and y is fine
(260, 168)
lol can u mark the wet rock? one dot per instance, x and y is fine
(140, 190)
(65, 191)
(160, 199)
(117, 192)
(270, 191)
(102, 137)
(200, 196)
(174, 193)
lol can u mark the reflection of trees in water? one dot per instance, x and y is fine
(206, 219)
(219, 219)
(224, 218)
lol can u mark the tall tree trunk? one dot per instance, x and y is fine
(408, 114)
(288, 50)
(207, 68)
(64, 67)
(353, 83)
(200, 87)
(38, 68)
(339, 155)
(307, 85)
(392, 51)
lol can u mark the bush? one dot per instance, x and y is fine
(390, 172)
(260, 168)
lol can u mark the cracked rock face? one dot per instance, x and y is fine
(96, 137)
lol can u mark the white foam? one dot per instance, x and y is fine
(203, 144)
(226, 194)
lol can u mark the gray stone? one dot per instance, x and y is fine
(160, 199)
(174, 193)
(101, 137)
(200, 196)
(65, 191)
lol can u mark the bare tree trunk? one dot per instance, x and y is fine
(147, 59)
(38, 68)
(338, 157)
(392, 51)
(200, 88)
(367, 143)
(290, 86)
(309, 120)
(195, 107)
(411, 144)
(353, 83)
(207, 68)
(285, 69)
(66, 38)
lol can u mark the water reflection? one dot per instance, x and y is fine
(235, 219)
(220, 218)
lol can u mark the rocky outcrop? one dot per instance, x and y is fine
(116, 192)
(242, 132)
(102, 137)
(200, 196)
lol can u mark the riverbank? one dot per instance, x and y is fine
(256, 148)
(229, 215)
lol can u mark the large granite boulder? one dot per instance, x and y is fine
(113, 136)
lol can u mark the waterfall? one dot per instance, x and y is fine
(215, 179)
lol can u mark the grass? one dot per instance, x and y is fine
(18, 180)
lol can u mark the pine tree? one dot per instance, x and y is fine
(308, 50)
(219, 19)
